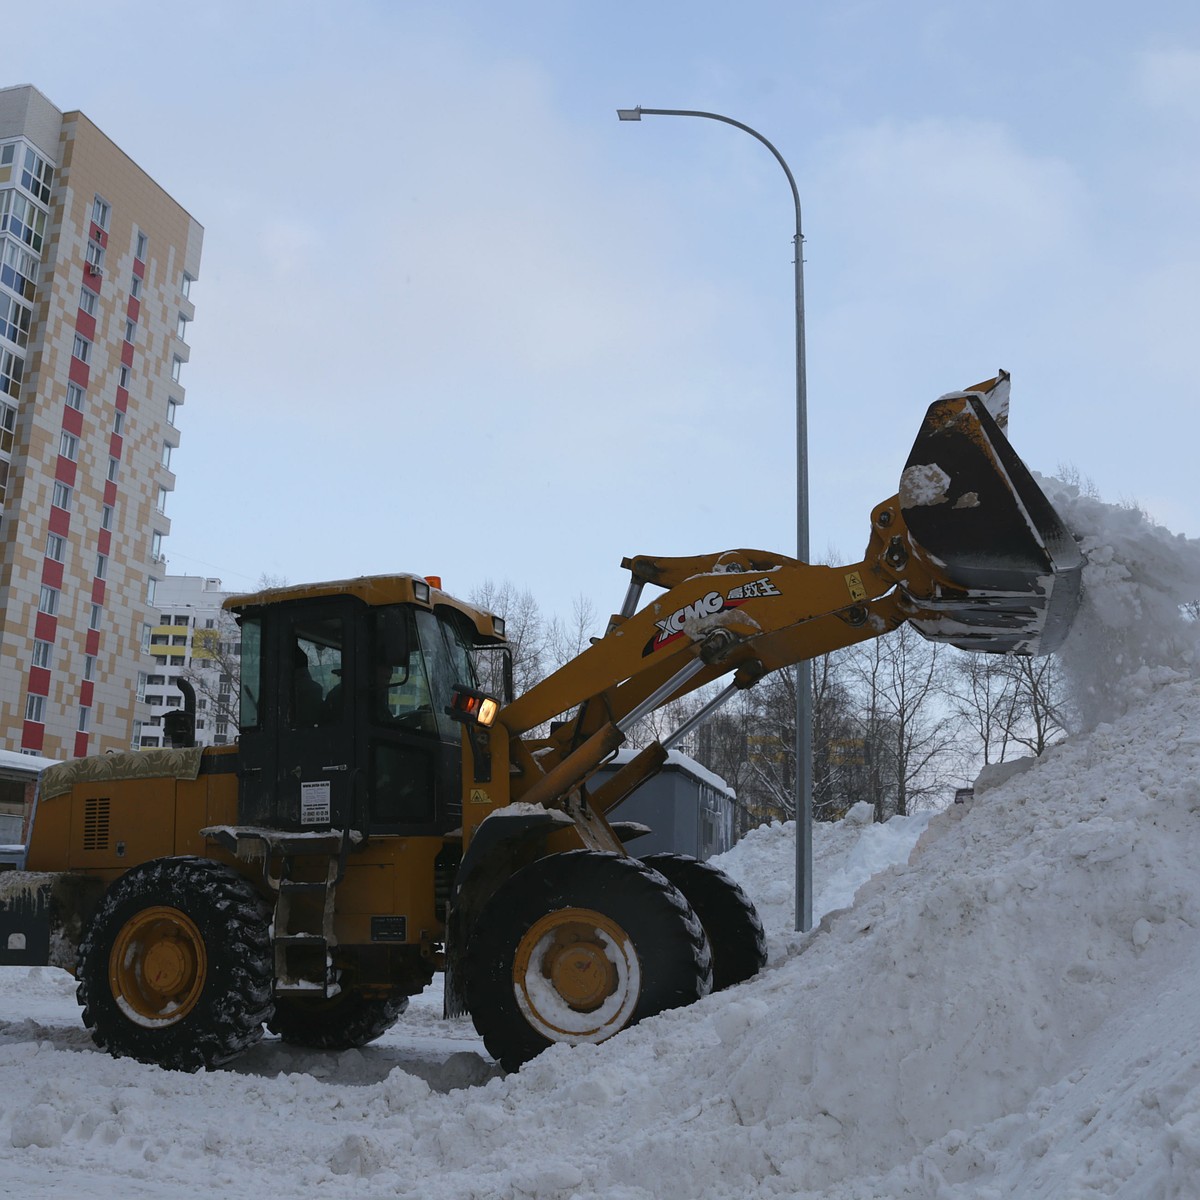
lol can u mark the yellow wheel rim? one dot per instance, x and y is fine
(576, 975)
(158, 966)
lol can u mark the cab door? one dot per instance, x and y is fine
(304, 747)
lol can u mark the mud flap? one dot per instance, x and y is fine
(1009, 567)
(24, 919)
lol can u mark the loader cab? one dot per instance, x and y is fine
(344, 688)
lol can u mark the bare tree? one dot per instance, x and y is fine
(899, 681)
(565, 640)
(1039, 716)
(981, 693)
(216, 670)
(525, 630)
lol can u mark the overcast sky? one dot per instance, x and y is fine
(453, 317)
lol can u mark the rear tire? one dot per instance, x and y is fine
(343, 1022)
(735, 932)
(576, 947)
(175, 968)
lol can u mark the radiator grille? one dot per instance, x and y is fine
(95, 824)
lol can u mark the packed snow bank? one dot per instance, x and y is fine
(1008, 1013)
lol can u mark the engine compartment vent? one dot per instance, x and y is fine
(95, 824)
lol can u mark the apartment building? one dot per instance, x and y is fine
(96, 263)
(195, 641)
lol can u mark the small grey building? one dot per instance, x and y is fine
(18, 776)
(688, 807)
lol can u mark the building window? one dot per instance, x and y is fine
(97, 616)
(35, 709)
(89, 667)
(61, 497)
(114, 469)
(151, 588)
(145, 638)
(101, 566)
(101, 211)
(75, 396)
(95, 259)
(19, 269)
(23, 219)
(48, 600)
(15, 318)
(12, 367)
(130, 329)
(156, 549)
(106, 517)
(37, 176)
(118, 421)
(56, 547)
(135, 286)
(166, 455)
(85, 719)
(141, 685)
(87, 301)
(42, 654)
(181, 328)
(161, 503)
(82, 349)
(172, 409)
(68, 446)
(140, 252)
(137, 735)
(176, 367)
(123, 374)
(186, 285)
(8, 424)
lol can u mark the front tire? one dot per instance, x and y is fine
(343, 1022)
(175, 968)
(576, 947)
(735, 931)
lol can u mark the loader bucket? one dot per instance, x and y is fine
(1008, 569)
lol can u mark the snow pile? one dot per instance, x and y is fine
(1130, 635)
(1008, 1011)
(845, 854)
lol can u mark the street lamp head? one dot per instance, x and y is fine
(629, 114)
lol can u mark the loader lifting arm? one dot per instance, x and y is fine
(969, 551)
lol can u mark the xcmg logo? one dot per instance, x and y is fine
(707, 606)
(672, 627)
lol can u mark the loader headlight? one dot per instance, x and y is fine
(473, 707)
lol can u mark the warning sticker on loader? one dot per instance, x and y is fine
(855, 585)
(479, 796)
(314, 802)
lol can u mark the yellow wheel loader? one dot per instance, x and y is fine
(382, 817)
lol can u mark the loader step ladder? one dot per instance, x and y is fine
(302, 927)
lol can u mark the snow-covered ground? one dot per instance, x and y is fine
(1000, 1001)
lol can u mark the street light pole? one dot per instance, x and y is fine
(803, 787)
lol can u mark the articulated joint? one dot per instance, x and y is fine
(716, 645)
(896, 555)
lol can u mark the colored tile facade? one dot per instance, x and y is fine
(95, 265)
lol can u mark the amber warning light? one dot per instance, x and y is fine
(472, 707)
